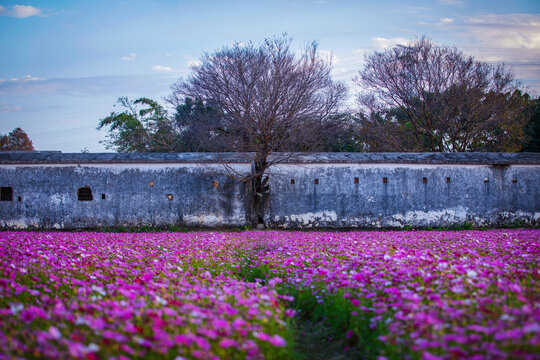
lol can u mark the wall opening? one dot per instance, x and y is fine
(356, 181)
(486, 180)
(292, 181)
(84, 194)
(424, 180)
(448, 180)
(103, 196)
(514, 180)
(6, 193)
(19, 199)
(316, 181)
(385, 180)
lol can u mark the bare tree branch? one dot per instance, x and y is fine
(451, 101)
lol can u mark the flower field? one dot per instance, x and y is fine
(406, 294)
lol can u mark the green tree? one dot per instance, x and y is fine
(532, 129)
(201, 126)
(143, 126)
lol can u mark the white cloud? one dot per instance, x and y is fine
(193, 62)
(25, 78)
(383, 43)
(31, 78)
(21, 11)
(86, 86)
(163, 68)
(129, 57)
(509, 38)
(445, 21)
(513, 31)
(451, 2)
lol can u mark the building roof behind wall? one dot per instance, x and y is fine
(473, 158)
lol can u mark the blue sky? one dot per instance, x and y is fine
(63, 64)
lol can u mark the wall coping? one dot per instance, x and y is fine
(471, 158)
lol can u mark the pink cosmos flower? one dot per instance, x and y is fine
(290, 313)
(55, 333)
(28, 315)
(277, 340)
(226, 343)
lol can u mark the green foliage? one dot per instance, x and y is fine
(178, 229)
(467, 226)
(329, 324)
(143, 126)
(532, 129)
(326, 323)
(201, 127)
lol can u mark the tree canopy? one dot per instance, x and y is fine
(143, 126)
(265, 98)
(17, 140)
(450, 101)
(270, 98)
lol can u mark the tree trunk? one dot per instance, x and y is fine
(261, 194)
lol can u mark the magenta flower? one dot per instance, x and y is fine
(226, 343)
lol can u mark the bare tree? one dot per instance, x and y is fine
(268, 95)
(452, 101)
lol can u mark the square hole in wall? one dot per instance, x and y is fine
(448, 180)
(424, 180)
(292, 181)
(103, 196)
(356, 180)
(316, 181)
(6, 193)
(385, 180)
(19, 199)
(514, 180)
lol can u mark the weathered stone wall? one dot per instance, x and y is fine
(307, 191)
(395, 195)
(135, 194)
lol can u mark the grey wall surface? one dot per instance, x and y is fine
(356, 195)
(200, 197)
(483, 189)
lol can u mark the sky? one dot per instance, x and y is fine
(63, 64)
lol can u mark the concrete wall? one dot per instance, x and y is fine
(483, 189)
(356, 195)
(134, 195)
